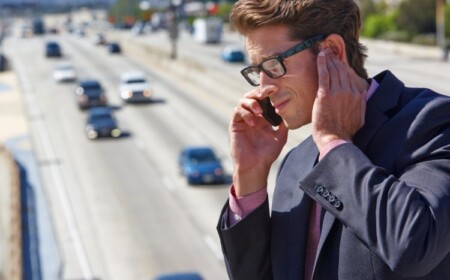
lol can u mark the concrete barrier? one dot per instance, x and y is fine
(10, 218)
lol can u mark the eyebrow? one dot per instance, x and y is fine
(276, 54)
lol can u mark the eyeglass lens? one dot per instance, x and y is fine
(252, 75)
(272, 67)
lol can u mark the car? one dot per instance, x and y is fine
(3, 63)
(64, 72)
(79, 32)
(114, 47)
(53, 49)
(90, 93)
(233, 54)
(200, 165)
(134, 87)
(139, 28)
(102, 123)
(180, 276)
(99, 39)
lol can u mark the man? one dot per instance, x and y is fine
(367, 196)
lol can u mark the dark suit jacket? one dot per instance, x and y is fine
(386, 199)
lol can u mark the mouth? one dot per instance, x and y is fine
(280, 106)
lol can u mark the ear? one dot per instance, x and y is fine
(336, 44)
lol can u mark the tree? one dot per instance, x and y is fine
(417, 16)
(125, 11)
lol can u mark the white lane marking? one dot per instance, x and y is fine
(56, 173)
(168, 183)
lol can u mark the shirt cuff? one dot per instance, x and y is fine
(240, 207)
(330, 146)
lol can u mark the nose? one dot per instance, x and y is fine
(267, 85)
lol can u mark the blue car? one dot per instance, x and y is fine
(233, 54)
(200, 165)
(53, 49)
(180, 276)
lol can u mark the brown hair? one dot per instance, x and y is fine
(306, 18)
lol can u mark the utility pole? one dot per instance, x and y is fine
(440, 27)
(172, 18)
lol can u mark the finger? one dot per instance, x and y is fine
(280, 134)
(253, 94)
(342, 74)
(352, 82)
(248, 110)
(242, 117)
(323, 75)
(339, 78)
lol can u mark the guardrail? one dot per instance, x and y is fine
(10, 218)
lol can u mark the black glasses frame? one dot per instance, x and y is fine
(306, 44)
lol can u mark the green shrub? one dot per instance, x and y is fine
(417, 16)
(376, 25)
(447, 21)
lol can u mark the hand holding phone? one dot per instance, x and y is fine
(269, 112)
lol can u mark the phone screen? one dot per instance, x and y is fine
(269, 112)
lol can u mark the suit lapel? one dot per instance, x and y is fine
(384, 99)
(297, 256)
(327, 224)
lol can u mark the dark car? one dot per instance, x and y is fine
(200, 165)
(180, 276)
(53, 49)
(89, 93)
(3, 63)
(114, 48)
(101, 123)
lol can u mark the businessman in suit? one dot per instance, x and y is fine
(367, 195)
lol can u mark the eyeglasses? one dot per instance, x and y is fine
(274, 66)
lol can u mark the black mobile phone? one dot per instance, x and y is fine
(269, 112)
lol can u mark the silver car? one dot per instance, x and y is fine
(134, 87)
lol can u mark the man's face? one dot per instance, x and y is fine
(292, 94)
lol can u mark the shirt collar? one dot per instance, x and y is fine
(372, 88)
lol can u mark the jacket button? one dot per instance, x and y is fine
(319, 189)
(331, 198)
(326, 193)
(337, 204)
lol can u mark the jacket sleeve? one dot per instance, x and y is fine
(246, 245)
(402, 215)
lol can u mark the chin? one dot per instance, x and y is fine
(290, 125)
(294, 124)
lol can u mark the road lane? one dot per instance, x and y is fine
(132, 227)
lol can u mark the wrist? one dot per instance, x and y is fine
(331, 145)
(249, 181)
(326, 143)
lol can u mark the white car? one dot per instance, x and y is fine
(64, 72)
(134, 87)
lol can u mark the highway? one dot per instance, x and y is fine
(120, 208)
